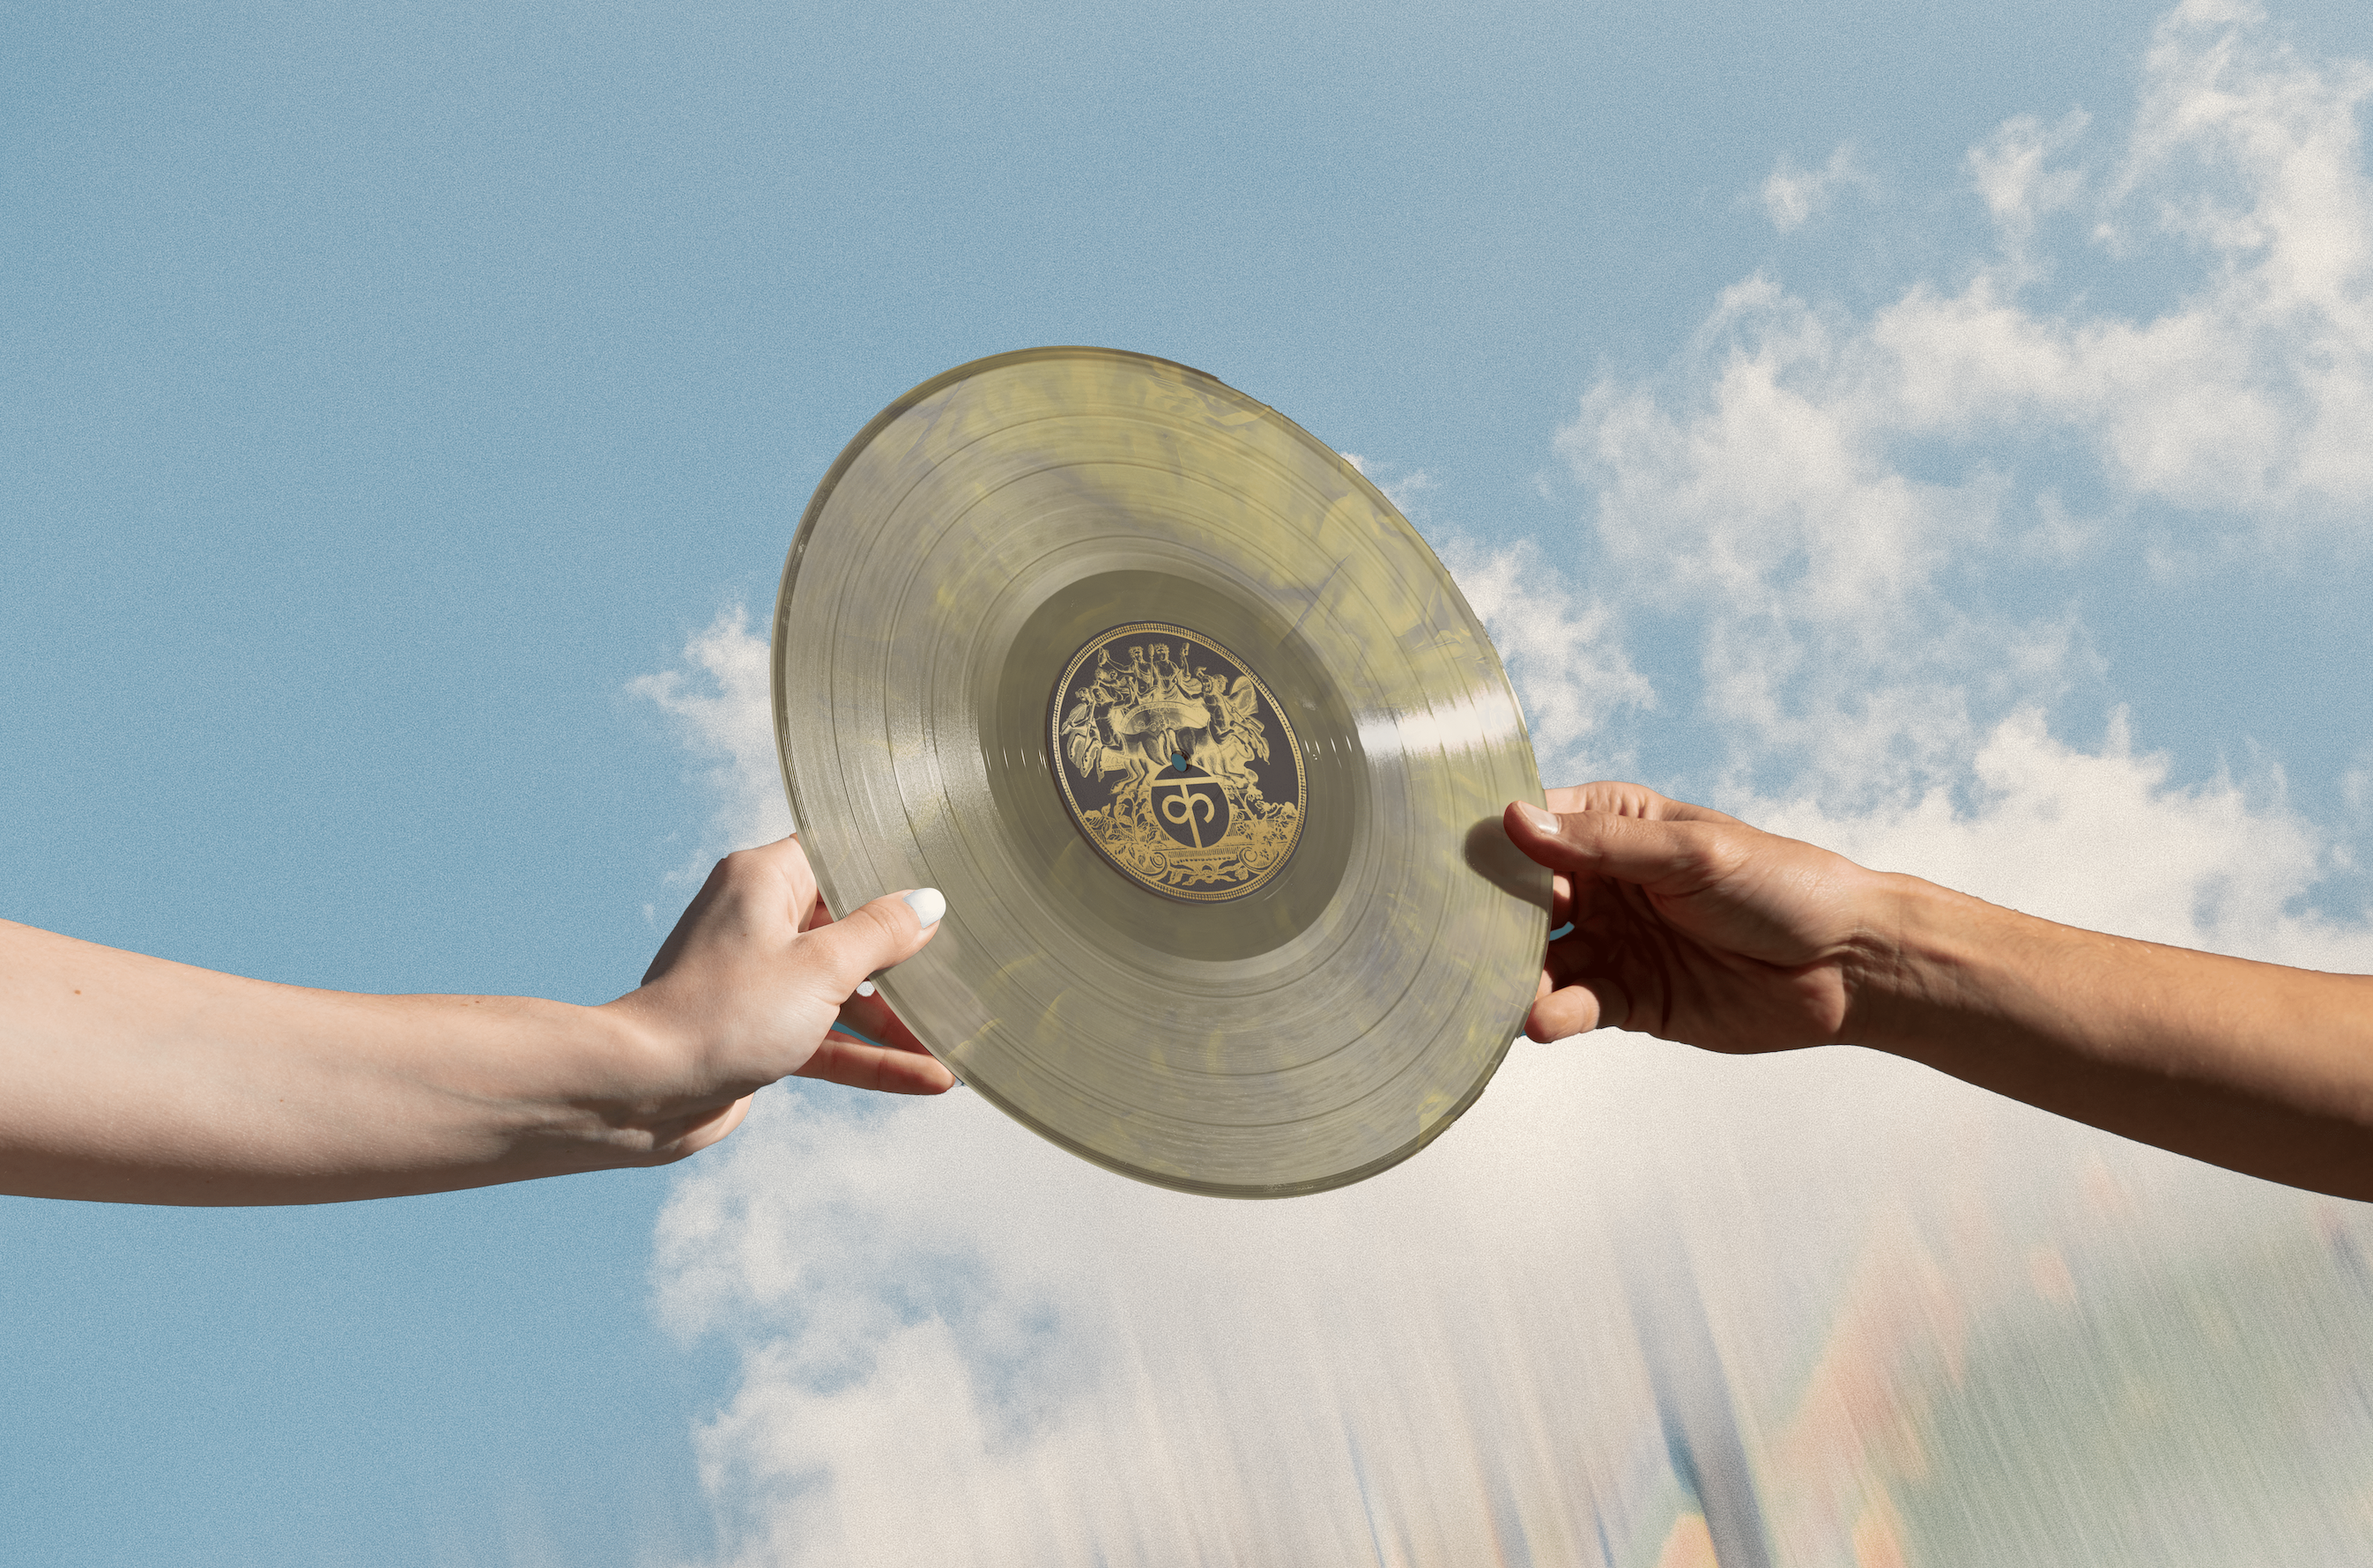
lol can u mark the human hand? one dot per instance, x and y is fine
(1691, 925)
(757, 982)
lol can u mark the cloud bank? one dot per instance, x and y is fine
(1859, 516)
(718, 699)
(1642, 1305)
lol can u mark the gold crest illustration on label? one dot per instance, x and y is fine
(1175, 761)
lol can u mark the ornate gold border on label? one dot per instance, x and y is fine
(1175, 761)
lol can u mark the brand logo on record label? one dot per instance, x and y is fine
(1176, 763)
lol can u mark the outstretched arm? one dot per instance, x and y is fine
(1693, 926)
(129, 1078)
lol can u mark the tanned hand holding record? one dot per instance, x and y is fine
(1205, 750)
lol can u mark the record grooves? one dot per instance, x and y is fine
(1202, 744)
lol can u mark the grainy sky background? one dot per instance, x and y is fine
(1940, 433)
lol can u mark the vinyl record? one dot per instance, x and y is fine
(1204, 747)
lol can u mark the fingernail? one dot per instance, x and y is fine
(928, 904)
(865, 988)
(1542, 821)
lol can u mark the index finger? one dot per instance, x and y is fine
(1620, 799)
(860, 1064)
(1607, 844)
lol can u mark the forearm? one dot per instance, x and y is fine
(2253, 1066)
(129, 1078)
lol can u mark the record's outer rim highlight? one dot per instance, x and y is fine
(1525, 882)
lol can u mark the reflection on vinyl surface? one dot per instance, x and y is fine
(1095, 645)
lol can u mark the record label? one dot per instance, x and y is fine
(1175, 760)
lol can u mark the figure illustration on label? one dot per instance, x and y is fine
(1175, 761)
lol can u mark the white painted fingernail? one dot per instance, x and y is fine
(865, 988)
(928, 904)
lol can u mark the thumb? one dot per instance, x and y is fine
(888, 931)
(1601, 843)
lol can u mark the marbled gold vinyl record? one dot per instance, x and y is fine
(1204, 747)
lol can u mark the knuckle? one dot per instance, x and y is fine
(1717, 853)
(853, 943)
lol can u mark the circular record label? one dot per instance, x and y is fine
(1175, 761)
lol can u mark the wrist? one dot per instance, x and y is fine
(569, 1088)
(1913, 969)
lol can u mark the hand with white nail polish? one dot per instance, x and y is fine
(759, 981)
(135, 1080)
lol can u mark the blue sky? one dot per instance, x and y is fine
(399, 407)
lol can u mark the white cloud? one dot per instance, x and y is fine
(2250, 395)
(716, 695)
(1763, 486)
(2012, 174)
(1769, 511)
(1405, 491)
(2102, 839)
(1793, 194)
(1560, 647)
(1570, 669)
(960, 1345)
